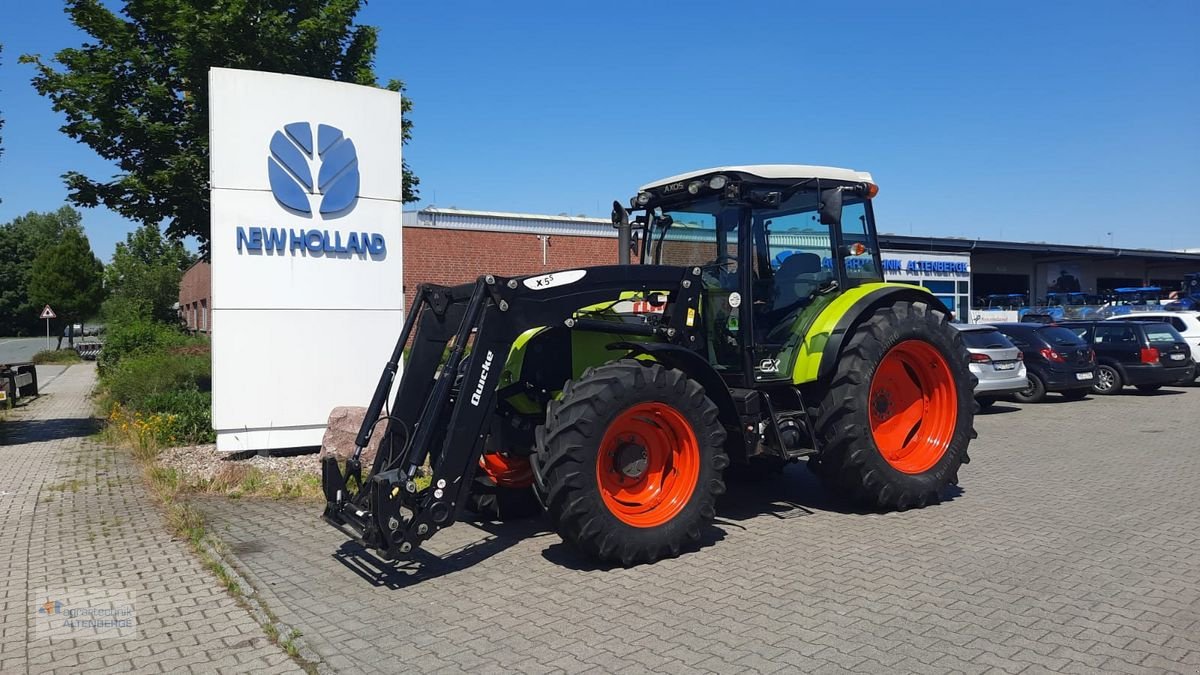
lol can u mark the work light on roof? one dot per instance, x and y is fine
(717, 182)
(694, 187)
(643, 198)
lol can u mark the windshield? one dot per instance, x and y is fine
(794, 229)
(704, 234)
(1161, 332)
(985, 339)
(1060, 337)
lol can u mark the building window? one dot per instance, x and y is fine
(946, 276)
(204, 315)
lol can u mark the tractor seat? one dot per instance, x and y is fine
(793, 285)
(798, 277)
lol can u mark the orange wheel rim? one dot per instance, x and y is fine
(505, 471)
(648, 464)
(914, 406)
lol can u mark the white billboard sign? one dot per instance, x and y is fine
(306, 251)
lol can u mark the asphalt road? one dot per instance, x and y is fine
(17, 350)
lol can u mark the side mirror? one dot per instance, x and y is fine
(620, 217)
(831, 207)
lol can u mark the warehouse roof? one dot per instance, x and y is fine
(916, 243)
(532, 223)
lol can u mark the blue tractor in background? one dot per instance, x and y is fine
(1189, 296)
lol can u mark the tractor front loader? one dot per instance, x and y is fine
(754, 331)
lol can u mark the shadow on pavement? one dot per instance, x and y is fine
(794, 493)
(1156, 392)
(998, 409)
(562, 553)
(399, 574)
(19, 432)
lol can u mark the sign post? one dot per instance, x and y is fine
(47, 314)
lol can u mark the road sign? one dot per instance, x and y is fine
(48, 314)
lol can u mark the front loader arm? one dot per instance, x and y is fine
(428, 422)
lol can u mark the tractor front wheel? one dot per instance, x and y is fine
(503, 488)
(897, 417)
(631, 457)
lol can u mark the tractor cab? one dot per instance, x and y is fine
(775, 243)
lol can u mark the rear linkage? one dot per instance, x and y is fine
(385, 510)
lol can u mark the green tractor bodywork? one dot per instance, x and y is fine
(755, 330)
(812, 333)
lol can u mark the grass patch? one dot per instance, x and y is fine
(72, 485)
(236, 480)
(289, 643)
(57, 356)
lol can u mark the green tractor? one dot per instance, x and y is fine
(754, 330)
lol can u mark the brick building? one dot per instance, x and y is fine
(195, 290)
(453, 246)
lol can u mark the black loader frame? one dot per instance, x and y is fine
(428, 422)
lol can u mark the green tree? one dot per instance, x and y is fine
(142, 280)
(21, 240)
(68, 277)
(137, 94)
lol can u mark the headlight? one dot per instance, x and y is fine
(643, 198)
(717, 182)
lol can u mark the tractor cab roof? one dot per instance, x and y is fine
(770, 172)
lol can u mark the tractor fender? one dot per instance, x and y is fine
(700, 370)
(823, 345)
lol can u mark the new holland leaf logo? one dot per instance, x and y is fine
(292, 165)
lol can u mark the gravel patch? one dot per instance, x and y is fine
(204, 463)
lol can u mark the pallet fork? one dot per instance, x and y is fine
(432, 420)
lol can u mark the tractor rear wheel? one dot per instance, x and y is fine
(897, 417)
(631, 457)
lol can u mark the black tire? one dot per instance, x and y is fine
(985, 402)
(1108, 380)
(569, 457)
(1076, 394)
(1149, 388)
(1035, 393)
(851, 462)
(492, 502)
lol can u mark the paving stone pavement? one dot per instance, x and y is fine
(1073, 547)
(76, 515)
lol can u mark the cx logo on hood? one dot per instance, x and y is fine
(295, 161)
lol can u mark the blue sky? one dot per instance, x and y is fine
(1047, 121)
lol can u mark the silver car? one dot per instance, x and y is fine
(997, 363)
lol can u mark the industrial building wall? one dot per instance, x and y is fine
(195, 301)
(453, 256)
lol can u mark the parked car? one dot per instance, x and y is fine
(1037, 317)
(995, 361)
(1188, 325)
(1145, 354)
(1056, 360)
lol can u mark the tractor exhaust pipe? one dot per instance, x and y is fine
(620, 220)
